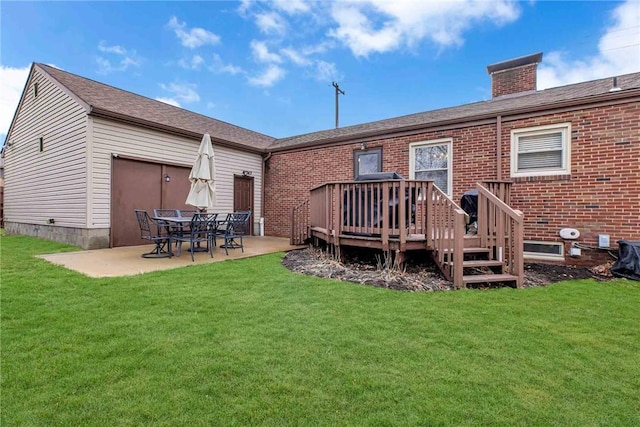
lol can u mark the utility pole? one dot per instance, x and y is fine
(338, 92)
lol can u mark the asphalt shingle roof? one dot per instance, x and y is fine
(137, 107)
(123, 103)
(502, 105)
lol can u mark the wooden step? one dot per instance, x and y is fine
(486, 278)
(478, 263)
(473, 250)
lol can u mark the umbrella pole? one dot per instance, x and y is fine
(198, 248)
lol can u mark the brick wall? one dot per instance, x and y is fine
(602, 194)
(514, 80)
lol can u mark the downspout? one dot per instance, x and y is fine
(499, 147)
(265, 159)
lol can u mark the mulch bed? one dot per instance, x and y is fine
(419, 274)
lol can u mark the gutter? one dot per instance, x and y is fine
(488, 118)
(265, 159)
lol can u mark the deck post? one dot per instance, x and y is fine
(428, 215)
(458, 249)
(337, 213)
(518, 259)
(402, 211)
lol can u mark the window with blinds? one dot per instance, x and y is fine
(543, 150)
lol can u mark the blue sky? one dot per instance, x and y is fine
(268, 65)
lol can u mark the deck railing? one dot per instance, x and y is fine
(501, 228)
(300, 223)
(390, 209)
(445, 234)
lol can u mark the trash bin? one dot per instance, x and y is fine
(628, 263)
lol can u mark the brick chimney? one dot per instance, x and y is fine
(515, 75)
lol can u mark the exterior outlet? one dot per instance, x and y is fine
(575, 252)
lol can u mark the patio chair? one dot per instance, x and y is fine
(187, 213)
(156, 233)
(201, 229)
(166, 212)
(233, 229)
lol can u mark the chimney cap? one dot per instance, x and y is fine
(534, 58)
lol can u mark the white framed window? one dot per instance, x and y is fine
(552, 251)
(541, 150)
(431, 160)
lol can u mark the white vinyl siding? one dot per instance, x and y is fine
(50, 184)
(111, 137)
(431, 160)
(541, 150)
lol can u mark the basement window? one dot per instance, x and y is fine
(552, 251)
(541, 150)
(431, 160)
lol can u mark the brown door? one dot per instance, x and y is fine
(243, 196)
(142, 185)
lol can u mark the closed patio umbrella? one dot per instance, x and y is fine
(203, 187)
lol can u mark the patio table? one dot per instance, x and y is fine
(179, 224)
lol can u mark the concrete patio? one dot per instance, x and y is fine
(126, 261)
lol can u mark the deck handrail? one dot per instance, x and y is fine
(501, 230)
(391, 209)
(299, 223)
(445, 234)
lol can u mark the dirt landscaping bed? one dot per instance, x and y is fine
(369, 268)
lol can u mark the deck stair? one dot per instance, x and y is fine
(479, 268)
(494, 254)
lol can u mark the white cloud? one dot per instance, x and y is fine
(193, 38)
(326, 71)
(244, 7)
(12, 81)
(118, 50)
(120, 58)
(295, 56)
(218, 66)
(194, 63)
(184, 92)
(268, 77)
(169, 101)
(291, 6)
(261, 52)
(271, 23)
(379, 26)
(618, 53)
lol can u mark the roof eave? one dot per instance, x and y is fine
(123, 118)
(463, 122)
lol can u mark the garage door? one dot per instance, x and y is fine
(143, 185)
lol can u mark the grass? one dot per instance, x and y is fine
(247, 342)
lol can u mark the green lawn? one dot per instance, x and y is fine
(247, 342)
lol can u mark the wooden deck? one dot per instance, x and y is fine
(408, 215)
